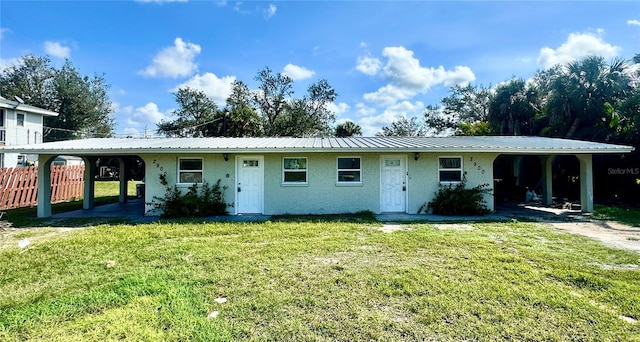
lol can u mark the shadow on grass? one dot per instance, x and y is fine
(358, 217)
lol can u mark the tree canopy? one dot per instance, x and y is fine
(269, 110)
(589, 99)
(82, 102)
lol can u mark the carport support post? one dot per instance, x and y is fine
(122, 172)
(547, 179)
(44, 185)
(89, 182)
(586, 182)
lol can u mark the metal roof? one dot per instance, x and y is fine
(456, 144)
(21, 107)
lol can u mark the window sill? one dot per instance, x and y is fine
(294, 184)
(349, 184)
(450, 183)
(187, 185)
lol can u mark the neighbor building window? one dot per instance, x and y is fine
(20, 119)
(349, 170)
(294, 170)
(190, 170)
(450, 169)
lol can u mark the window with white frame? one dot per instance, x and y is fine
(294, 170)
(450, 169)
(349, 170)
(20, 119)
(190, 170)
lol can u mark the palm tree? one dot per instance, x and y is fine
(581, 95)
(348, 129)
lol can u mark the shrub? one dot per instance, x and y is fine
(456, 199)
(206, 201)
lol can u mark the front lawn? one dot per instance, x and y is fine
(306, 280)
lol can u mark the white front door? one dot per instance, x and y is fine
(250, 187)
(393, 187)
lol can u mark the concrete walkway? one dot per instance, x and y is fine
(133, 211)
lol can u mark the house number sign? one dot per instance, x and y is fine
(477, 166)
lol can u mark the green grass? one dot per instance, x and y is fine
(315, 280)
(626, 215)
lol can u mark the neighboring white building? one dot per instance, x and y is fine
(20, 124)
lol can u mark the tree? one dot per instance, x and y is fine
(461, 112)
(580, 95)
(240, 118)
(309, 116)
(31, 79)
(348, 129)
(197, 116)
(271, 98)
(469, 104)
(82, 102)
(510, 109)
(403, 127)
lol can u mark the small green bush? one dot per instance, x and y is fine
(206, 201)
(456, 199)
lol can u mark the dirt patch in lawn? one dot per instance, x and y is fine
(612, 234)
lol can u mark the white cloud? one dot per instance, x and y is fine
(3, 31)
(373, 124)
(633, 22)
(408, 78)
(270, 11)
(149, 114)
(297, 72)
(7, 62)
(578, 45)
(174, 61)
(338, 108)
(368, 65)
(364, 110)
(55, 49)
(218, 89)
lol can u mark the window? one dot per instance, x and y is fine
(1, 118)
(450, 169)
(20, 119)
(294, 170)
(190, 170)
(349, 170)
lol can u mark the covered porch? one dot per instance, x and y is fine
(517, 174)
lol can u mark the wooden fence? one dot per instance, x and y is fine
(19, 186)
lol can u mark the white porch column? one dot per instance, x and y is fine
(122, 173)
(547, 179)
(44, 185)
(89, 182)
(586, 182)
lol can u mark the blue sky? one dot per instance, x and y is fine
(385, 59)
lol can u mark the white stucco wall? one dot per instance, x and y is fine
(423, 176)
(322, 194)
(215, 167)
